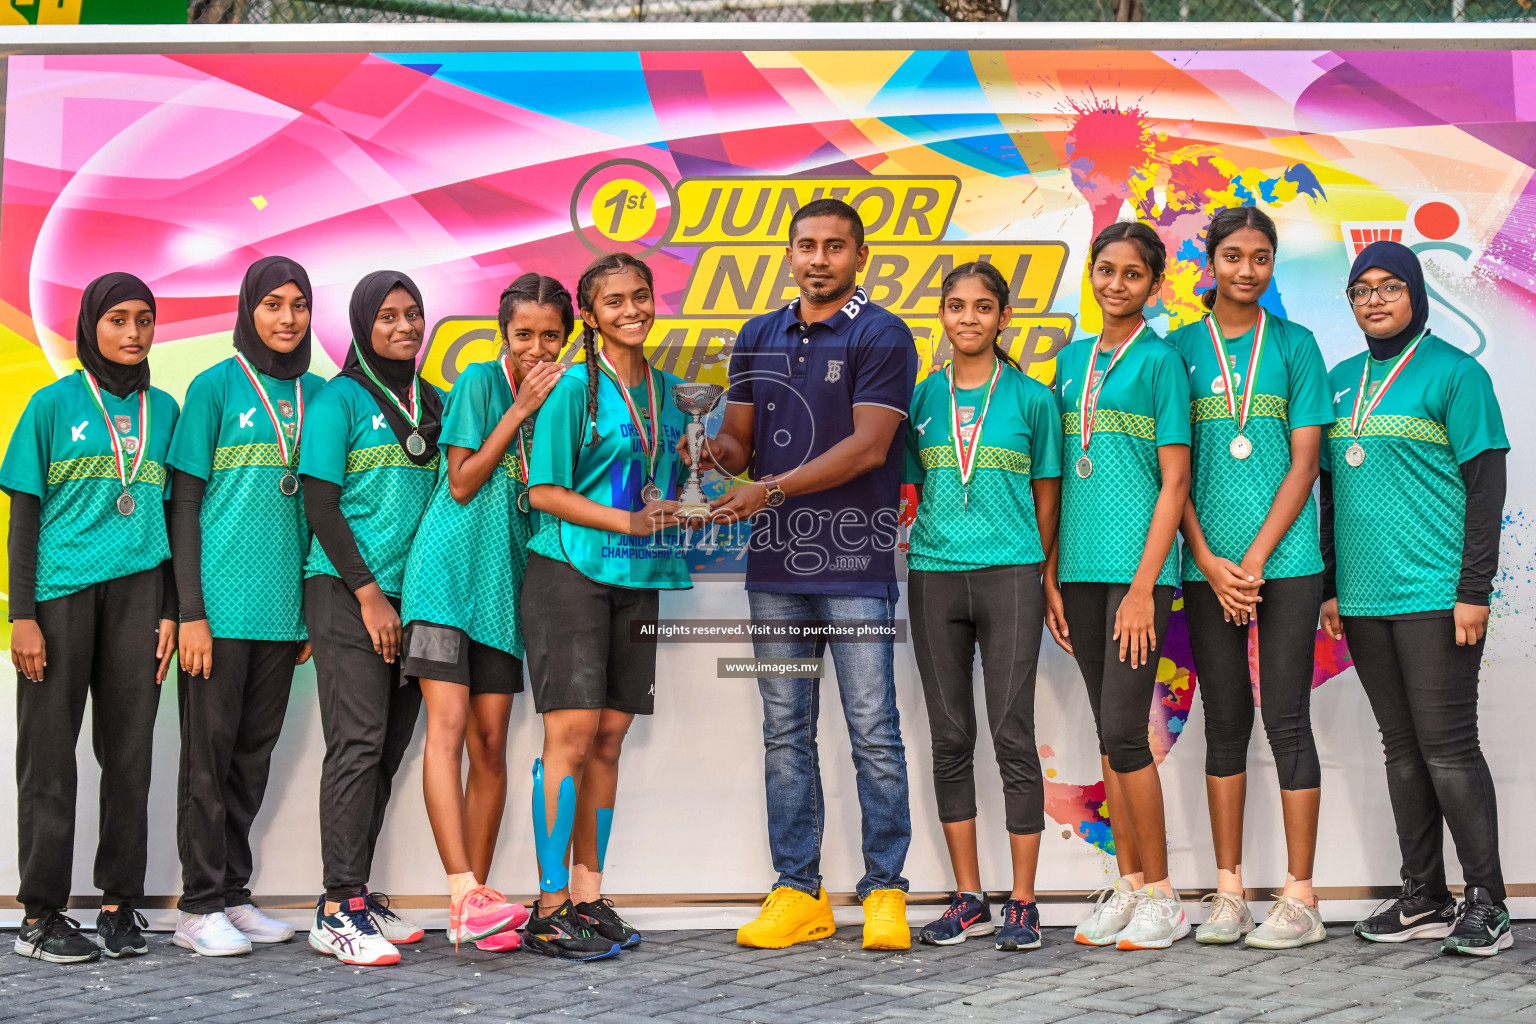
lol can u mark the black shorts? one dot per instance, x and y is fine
(577, 634)
(432, 651)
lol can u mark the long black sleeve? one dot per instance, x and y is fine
(187, 492)
(1325, 535)
(167, 567)
(322, 506)
(21, 549)
(1485, 479)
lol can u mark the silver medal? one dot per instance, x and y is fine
(650, 493)
(125, 503)
(416, 444)
(522, 501)
(1240, 447)
(1354, 454)
(288, 484)
(1085, 467)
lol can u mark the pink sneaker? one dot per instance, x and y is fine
(483, 912)
(504, 941)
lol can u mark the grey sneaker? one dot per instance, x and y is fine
(1229, 921)
(1116, 906)
(1290, 923)
(1158, 923)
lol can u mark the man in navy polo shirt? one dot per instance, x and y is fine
(818, 393)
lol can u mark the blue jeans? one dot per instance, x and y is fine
(867, 686)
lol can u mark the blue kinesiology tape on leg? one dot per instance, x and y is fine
(604, 826)
(551, 844)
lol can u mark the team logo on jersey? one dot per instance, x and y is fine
(248, 418)
(967, 413)
(378, 421)
(130, 445)
(290, 429)
(1371, 391)
(834, 371)
(1219, 385)
(77, 433)
(123, 423)
(284, 407)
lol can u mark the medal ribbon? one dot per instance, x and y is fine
(412, 415)
(965, 454)
(1088, 401)
(1239, 412)
(277, 425)
(522, 446)
(650, 440)
(1357, 417)
(123, 474)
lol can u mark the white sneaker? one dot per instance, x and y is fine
(349, 935)
(256, 926)
(1291, 923)
(209, 935)
(1110, 916)
(1159, 922)
(388, 923)
(1229, 920)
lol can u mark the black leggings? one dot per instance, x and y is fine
(1423, 691)
(1287, 641)
(1003, 608)
(1121, 697)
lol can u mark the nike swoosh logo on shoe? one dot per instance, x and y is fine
(1406, 920)
(967, 924)
(1493, 933)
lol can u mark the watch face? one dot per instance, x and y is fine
(774, 498)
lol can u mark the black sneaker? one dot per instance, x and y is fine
(120, 932)
(1482, 926)
(566, 935)
(604, 920)
(1413, 915)
(56, 939)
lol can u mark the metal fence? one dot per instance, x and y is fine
(308, 11)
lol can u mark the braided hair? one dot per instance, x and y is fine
(539, 290)
(992, 278)
(585, 293)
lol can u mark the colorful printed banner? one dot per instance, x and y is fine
(467, 169)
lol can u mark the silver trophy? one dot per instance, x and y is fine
(697, 400)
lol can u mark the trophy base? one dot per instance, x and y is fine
(692, 511)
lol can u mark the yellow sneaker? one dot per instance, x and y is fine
(885, 920)
(788, 916)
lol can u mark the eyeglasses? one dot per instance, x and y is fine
(1360, 294)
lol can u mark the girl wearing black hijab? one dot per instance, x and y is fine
(369, 465)
(236, 456)
(1412, 491)
(93, 612)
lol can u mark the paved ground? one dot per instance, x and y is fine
(693, 977)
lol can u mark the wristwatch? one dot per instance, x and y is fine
(775, 495)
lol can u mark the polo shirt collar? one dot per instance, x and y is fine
(838, 322)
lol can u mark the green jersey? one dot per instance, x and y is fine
(1232, 496)
(1399, 514)
(347, 440)
(1020, 440)
(254, 536)
(1143, 405)
(611, 471)
(466, 564)
(62, 453)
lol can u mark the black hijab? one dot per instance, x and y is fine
(1396, 259)
(395, 374)
(264, 276)
(102, 295)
